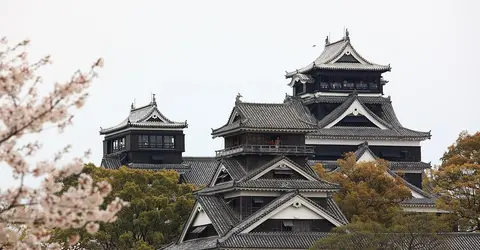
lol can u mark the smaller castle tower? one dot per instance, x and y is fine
(145, 139)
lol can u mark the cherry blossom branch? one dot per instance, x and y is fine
(36, 212)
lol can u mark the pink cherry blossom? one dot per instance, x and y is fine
(33, 213)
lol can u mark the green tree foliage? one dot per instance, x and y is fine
(159, 206)
(405, 231)
(367, 192)
(457, 181)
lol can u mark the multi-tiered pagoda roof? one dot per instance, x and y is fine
(377, 112)
(339, 55)
(290, 116)
(260, 191)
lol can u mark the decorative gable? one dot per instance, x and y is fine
(221, 176)
(296, 208)
(199, 225)
(356, 109)
(353, 120)
(347, 58)
(156, 117)
(200, 218)
(283, 168)
(349, 55)
(235, 116)
(366, 156)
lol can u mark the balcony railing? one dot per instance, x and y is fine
(266, 149)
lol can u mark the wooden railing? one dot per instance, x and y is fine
(266, 149)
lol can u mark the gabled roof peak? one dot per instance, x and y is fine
(332, 56)
(147, 116)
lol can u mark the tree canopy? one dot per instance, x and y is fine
(370, 198)
(367, 192)
(457, 181)
(159, 206)
(405, 231)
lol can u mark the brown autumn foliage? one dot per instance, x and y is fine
(367, 191)
(457, 181)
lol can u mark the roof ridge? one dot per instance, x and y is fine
(141, 107)
(333, 43)
(200, 157)
(339, 51)
(259, 103)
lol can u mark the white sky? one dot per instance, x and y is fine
(197, 55)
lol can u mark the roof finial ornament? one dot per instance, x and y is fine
(327, 41)
(347, 34)
(154, 102)
(237, 99)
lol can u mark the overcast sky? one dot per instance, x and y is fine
(197, 55)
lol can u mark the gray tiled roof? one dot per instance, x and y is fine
(409, 165)
(462, 241)
(201, 171)
(450, 241)
(196, 170)
(367, 133)
(290, 116)
(362, 149)
(393, 165)
(195, 244)
(394, 130)
(138, 118)
(259, 214)
(234, 168)
(275, 184)
(335, 210)
(326, 60)
(304, 240)
(307, 169)
(277, 203)
(273, 240)
(111, 162)
(114, 160)
(344, 106)
(342, 99)
(271, 185)
(222, 216)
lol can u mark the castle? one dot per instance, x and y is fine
(260, 190)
